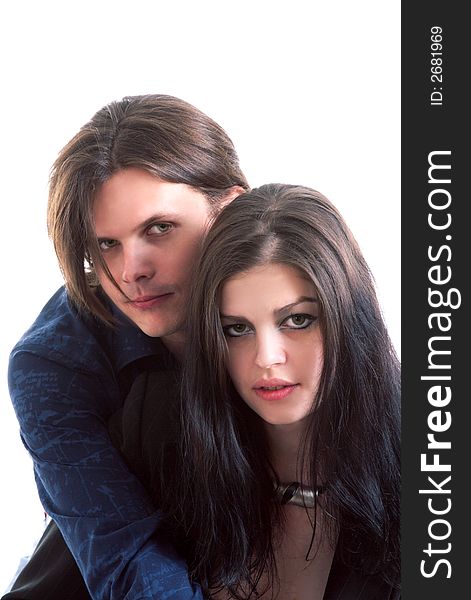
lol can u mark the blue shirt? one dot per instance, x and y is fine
(67, 375)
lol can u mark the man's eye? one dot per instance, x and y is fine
(159, 228)
(236, 330)
(106, 244)
(300, 321)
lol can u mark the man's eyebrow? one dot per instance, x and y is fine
(155, 218)
(278, 311)
(158, 217)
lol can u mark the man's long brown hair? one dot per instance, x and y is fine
(160, 134)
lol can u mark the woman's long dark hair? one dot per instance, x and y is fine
(223, 498)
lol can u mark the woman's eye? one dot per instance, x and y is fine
(159, 228)
(106, 244)
(300, 321)
(236, 330)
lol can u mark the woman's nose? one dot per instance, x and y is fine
(270, 350)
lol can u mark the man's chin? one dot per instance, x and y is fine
(154, 331)
(160, 330)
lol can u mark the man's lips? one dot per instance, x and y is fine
(274, 389)
(148, 301)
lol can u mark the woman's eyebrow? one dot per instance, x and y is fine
(285, 308)
(300, 300)
(233, 317)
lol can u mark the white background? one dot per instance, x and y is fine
(309, 94)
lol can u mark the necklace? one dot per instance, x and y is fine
(297, 494)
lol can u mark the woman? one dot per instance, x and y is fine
(285, 479)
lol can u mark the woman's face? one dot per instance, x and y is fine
(270, 319)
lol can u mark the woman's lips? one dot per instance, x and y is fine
(274, 391)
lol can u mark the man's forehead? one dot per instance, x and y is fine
(139, 202)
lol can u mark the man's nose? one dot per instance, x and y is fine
(270, 350)
(137, 264)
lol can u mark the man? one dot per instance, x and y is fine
(131, 196)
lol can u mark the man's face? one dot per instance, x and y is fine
(149, 233)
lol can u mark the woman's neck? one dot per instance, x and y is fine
(284, 442)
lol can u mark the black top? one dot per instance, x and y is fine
(145, 431)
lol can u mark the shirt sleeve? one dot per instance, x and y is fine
(102, 510)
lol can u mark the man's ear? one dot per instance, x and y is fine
(233, 192)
